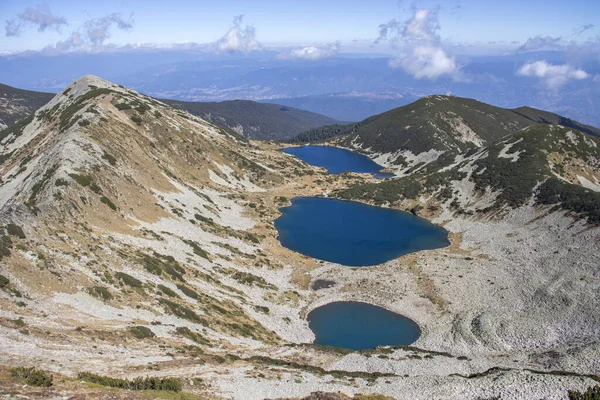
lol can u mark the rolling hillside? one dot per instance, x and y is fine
(433, 129)
(547, 164)
(16, 104)
(254, 120)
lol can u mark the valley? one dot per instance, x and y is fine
(141, 240)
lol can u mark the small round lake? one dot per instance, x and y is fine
(359, 326)
(337, 160)
(354, 234)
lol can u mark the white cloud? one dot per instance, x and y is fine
(540, 43)
(238, 39)
(553, 76)
(427, 62)
(41, 16)
(419, 44)
(92, 34)
(311, 52)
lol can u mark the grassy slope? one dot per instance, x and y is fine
(259, 120)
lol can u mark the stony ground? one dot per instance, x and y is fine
(510, 308)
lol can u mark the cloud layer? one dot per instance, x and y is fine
(553, 76)
(239, 39)
(41, 16)
(419, 44)
(540, 43)
(311, 52)
(93, 33)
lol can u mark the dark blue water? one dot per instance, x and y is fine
(360, 326)
(337, 160)
(354, 234)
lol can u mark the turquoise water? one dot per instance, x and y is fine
(354, 234)
(359, 326)
(337, 160)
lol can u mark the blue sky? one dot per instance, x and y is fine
(304, 22)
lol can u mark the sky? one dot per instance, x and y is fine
(427, 39)
(352, 23)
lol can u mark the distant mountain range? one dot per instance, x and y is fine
(255, 120)
(346, 88)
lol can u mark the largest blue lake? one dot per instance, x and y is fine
(354, 234)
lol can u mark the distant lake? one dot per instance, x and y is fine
(354, 234)
(337, 160)
(359, 326)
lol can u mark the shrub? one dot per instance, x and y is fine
(5, 246)
(136, 119)
(15, 230)
(101, 292)
(147, 383)
(167, 291)
(83, 180)
(593, 393)
(32, 376)
(122, 106)
(109, 203)
(141, 332)
(197, 249)
(181, 311)
(188, 291)
(111, 160)
(128, 279)
(4, 281)
(188, 333)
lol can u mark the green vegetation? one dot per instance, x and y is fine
(188, 291)
(4, 281)
(247, 278)
(15, 130)
(141, 332)
(430, 123)
(5, 246)
(188, 333)
(167, 291)
(258, 120)
(181, 311)
(158, 264)
(83, 180)
(15, 230)
(101, 292)
(593, 393)
(570, 197)
(38, 186)
(122, 106)
(111, 160)
(28, 101)
(66, 116)
(128, 280)
(136, 119)
(388, 191)
(318, 370)
(32, 376)
(84, 123)
(197, 249)
(109, 203)
(147, 383)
